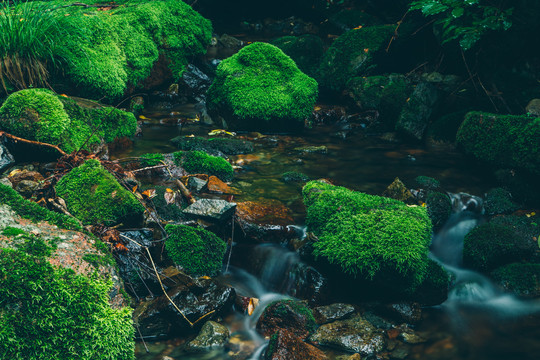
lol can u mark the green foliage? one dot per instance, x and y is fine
(40, 114)
(151, 159)
(502, 140)
(499, 201)
(197, 162)
(427, 182)
(520, 278)
(370, 237)
(214, 145)
(434, 288)
(10, 231)
(491, 245)
(293, 176)
(466, 21)
(94, 196)
(29, 35)
(306, 51)
(198, 251)
(32, 211)
(51, 314)
(439, 208)
(352, 54)
(262, 88)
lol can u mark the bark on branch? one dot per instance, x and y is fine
(37, 143)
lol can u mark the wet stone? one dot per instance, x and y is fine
(196, 184)
(26, 187)
(329, 313)
(397, 190)
(286, 346)
(6, 159)
(215, 185)
(211, 209)
(409, 336)
(212, 335)
(355, 335)
(377, 321)
(410, 313)
(312, 149)
(291, 315)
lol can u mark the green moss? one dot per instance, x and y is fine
(198, 251)
(293, 176)
(272, 343)
(32, 211)
(94, 196)
(40, 114)
(13, 231)
(520, 278)
(502, 140)
(197, 162)
(151, 159)
(434, 289)
(499, 201)
(52, 314)
(492, 245)
(214, 145)
(439, 208)
(263, 89)
(111, 50)
(306, 51)
(426, 182)
(369, 237)
(352, 54)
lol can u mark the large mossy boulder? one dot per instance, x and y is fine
(306, 51)
(502, 140)
(42, 115)
(522, 279)
(260, 88)
(198, 251)
(197, 162)
(94, 196)
(109, 50)
(371, 238)
(353, 54)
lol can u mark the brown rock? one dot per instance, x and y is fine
(397, 190)
(286, 346)
(265, 212)
(215, 185)
(291, 315)
(17, 176)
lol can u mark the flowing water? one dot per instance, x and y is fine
(478, 321)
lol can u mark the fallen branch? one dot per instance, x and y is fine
(149, 168)
(32, 142)
(185, 192)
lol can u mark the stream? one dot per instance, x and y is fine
(478, 321)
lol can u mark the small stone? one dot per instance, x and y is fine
(329, 313)
(409, 336)
(312, 149)
(397, 190)
(287, 346)
(211, 209)
(400, 352)
(196, 184)
(26, 187)
(6, 159)
(212, 335)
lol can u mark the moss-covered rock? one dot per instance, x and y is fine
(353, 54)
(197, 251)
(434, 288)
(499, 201)
(416, 114)
(493, 245)
(261, 88)
(291, 315)
(94, 196)
(306, 51)
(439, 208)
(53, 313)
(386, 94)
(294, 176)
(41, 115)
(214, 145)
(521, 278)
(109, 50)
(197, 162)
(426, 182)
(502, 140)
(370, 237)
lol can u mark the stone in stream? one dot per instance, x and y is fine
(329, 313)
(264, 220)
(355, 334)
(284, 345)
(291, 315)
(397, 190)
(411, 313)
(211, 209)
(414, 117)
(196, 184)
(212, 335)
(6, 159)
(194, 83)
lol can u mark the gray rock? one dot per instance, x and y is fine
(5, 181)
(195, 83)
(414, 117)
(409, 336)
(355, 335)
(26, 187)
(6, 159)
(533, 108)
(196, 184)
(411, 313)
(329, 313)
(211, 209)
(212, 334)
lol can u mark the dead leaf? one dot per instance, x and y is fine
(253, 303)
(134, 189)
(169, 196)
(150, 193)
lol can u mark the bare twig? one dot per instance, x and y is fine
(185, 192)
(149, 168)
(38, 143)
(396, 31)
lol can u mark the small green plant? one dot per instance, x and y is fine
(200, 162)
(198, 251)
(151, 159)
(466, 21)
(10, 231)
(29, 34)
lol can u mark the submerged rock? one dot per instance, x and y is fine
(194, 83)
(212, 335)
(284, 345)
(355, 335)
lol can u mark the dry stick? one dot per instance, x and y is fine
(469, 71)
(163, 288)
(142, 338)
(395, 31)
(16, 138)
(149, 168)
(185, 192)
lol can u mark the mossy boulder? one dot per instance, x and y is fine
(306, 51)
(94, 196)
(428, 183)
(434, 289)
(53, 313)
(291, 315)
(197, 162)
(416, 114)
(294, 176)
(499, 201)
(502, 140)
(198, 251)
(353, 54)
(439, 208)
(492, 245)
(213, 145)
(386, 94)
(522, 279)
(261, 88)
(372, 238)
(42, 115)
(111, 50)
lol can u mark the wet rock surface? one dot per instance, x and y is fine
(212, 335)
(329, 313)
(290, 315)
(211, 209)
(355, 335)
(286, 346)
(6, 159)
(264, 220)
